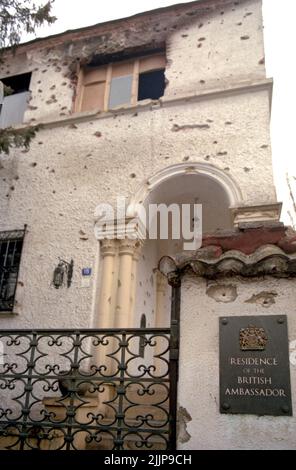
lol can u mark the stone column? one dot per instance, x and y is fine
(136, 257)
(106, 313)
(127, 249)
(162, 316)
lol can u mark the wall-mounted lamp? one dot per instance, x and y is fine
(63, 273)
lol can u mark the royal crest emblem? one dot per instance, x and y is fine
(252, 338)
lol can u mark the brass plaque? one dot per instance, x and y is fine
(254, 365)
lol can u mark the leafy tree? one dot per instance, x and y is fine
(17, 16)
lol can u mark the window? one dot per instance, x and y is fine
(15, 99)
(123, 82)
(10, 255)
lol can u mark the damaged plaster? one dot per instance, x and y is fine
(182, 420)
(264, 298)
(222, 293)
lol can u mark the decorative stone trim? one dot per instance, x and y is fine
(258, 213)
(129, 227)
(199, 168)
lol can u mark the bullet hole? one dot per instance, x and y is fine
(199, 45)
(85, 167)
(73, 126)
(222, 293)
(238, 24)
(52, 87)
(185, 159)
(177, 128)
(51, 100)
(264, 298)
(184, 35)
(33, 164)
(262, 61)
(221, 154)
(53, 192)
(207, 157)
(215, 142)
(133, 175)
(16, 178)
(63, 108)
(221, 12)
(98, 134)
(200, 25)
(228, 123)
(52, 171)
(64, 83)
(210, 120)
(227, 168)
(61, 215)
(11, 188)
(246, 169)
(39, 91)
(201, 39)
(202, 82)
(248, 13)
(44, 71)
(135, 115)
(40, 143)
(244, 38)
(264, 146)
(32, 108)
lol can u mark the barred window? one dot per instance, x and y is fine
(11, 244)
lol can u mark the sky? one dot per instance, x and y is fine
(280, 41)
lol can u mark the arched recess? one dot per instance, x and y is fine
(184, 183)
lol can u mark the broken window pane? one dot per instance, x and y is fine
(120, 90)
(151, 85)
(15, 101)
(13, 109)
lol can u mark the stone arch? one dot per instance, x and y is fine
(222, 178)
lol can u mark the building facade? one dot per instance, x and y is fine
(167, 107)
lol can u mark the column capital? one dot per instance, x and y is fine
(129, 246)
(108, 247)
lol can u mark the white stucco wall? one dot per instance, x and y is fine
(198, 391)
(146, 286)
(77, 162)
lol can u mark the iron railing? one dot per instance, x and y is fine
(87, 389)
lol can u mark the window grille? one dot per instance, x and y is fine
(10, 255)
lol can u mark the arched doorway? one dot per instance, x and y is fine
(183, 184)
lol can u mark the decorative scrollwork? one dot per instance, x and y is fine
(88, 389)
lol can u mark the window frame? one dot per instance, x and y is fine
(136, 71)
(8, 237)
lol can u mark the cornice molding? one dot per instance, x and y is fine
(246, 86)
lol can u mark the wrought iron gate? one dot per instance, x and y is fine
(89, 389)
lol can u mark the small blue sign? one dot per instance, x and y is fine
(86, 271)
